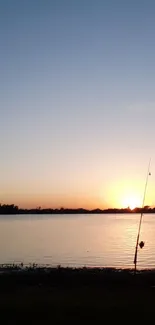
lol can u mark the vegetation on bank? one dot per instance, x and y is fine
(13, 209)
(13, 274)
(75, 296)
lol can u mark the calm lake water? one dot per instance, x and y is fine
(76, 240)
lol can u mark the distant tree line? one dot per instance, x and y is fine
(13, 209)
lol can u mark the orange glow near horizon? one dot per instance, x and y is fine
(115, 193)
(127, 194)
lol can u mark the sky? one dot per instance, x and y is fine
(77, 102)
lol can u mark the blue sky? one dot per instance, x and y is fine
(77, 100)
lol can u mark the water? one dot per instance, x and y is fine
(77, 240)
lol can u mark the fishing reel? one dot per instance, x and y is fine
(141, 244)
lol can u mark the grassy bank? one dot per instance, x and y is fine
(75, 296)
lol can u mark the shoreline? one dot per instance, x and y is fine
(33, 268)
(7, 209)
(74, 212)
(49, 267)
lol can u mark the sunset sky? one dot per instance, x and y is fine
(77, 102)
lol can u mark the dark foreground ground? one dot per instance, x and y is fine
(76, 296)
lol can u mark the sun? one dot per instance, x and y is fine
(132, 202)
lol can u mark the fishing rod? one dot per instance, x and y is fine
(141, 244)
